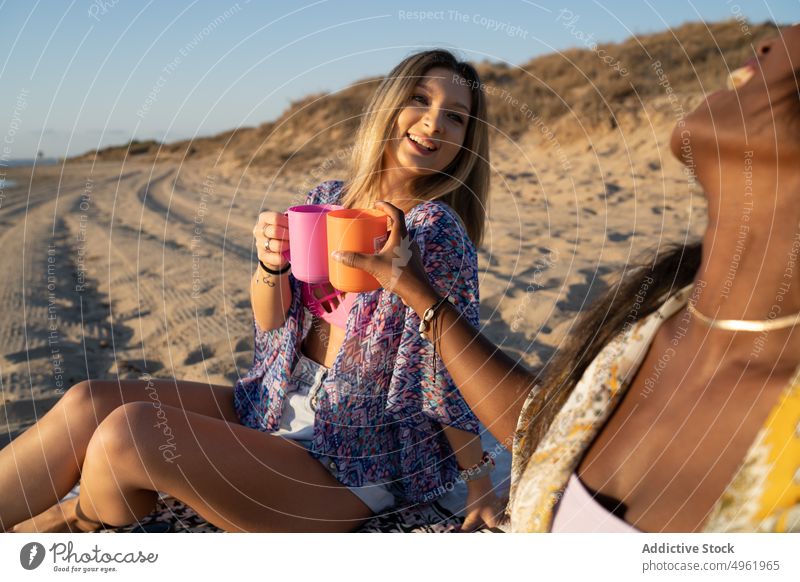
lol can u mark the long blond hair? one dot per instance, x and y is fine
(463, 184)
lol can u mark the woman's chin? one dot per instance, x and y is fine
(675, 143)
(684, 141)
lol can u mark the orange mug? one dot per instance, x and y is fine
(358, 230)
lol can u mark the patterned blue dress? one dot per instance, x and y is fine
(381, 408)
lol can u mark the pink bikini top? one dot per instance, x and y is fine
(327, 303)
(579, 512)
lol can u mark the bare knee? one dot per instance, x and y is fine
(119, 437)
(78, 394)
(115, 475)
(92, 398)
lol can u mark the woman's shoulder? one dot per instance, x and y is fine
(434, 215)
(434, 224)
(328, 192)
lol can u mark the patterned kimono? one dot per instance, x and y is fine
(381, 407)
(763, 496)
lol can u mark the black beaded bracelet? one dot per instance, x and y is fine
(272, 271)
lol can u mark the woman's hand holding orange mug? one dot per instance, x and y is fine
(398, 266)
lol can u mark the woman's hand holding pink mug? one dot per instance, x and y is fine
(272, 239)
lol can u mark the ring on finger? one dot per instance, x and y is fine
(266, 243)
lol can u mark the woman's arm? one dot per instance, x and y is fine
(482, 505)
(271, 295)
(493, 385)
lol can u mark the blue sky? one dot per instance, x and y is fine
(87, 73)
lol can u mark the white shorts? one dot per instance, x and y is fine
(297, 424)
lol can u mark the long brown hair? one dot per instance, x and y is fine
(464, 183)
(632, 298)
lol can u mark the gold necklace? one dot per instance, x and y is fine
(745, 324)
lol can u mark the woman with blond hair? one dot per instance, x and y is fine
(344, 413)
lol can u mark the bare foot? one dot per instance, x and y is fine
(49, 521)
(61, 518)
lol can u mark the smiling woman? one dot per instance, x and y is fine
(336, 421)
(423, 145)
(424, 137)
(420, 118)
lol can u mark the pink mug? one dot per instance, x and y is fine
(308, 241)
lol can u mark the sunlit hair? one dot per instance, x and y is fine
(463, 184)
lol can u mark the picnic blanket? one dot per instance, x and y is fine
(173, 516)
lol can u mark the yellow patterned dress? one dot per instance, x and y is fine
(763, 496)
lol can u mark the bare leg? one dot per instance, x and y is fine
(235, 477)
(41, 465)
